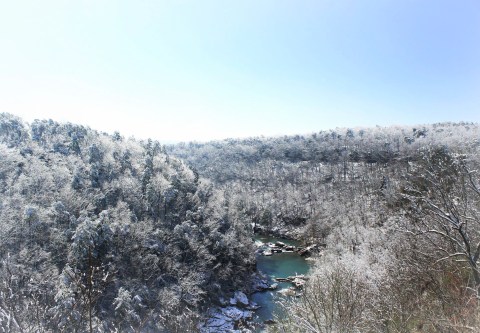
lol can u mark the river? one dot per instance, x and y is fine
(279, 265)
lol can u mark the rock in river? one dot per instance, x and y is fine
(241, 298)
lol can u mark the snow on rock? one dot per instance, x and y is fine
(273, 286)
(253, 306)
(223, 320)
(236, 314)
(217, 325)
(261, 284)
(241, 298)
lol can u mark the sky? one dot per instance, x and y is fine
(202, 70)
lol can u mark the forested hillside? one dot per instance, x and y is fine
(100, 233)
(292, 181)
(397, 209)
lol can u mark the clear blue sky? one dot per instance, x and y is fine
(185, 70)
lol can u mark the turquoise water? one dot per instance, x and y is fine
(278, 265)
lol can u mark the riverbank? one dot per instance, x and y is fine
(276, 266)
(291, 234)
(279, 274)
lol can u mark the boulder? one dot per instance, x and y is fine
(273, 286)
(236, 314)
(308, 250)
(288, 291)
(298, 283)
(241, 298)
(223, 320)
(253, 306)
(297, 280)
(259, 284)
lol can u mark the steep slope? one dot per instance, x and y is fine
(102, 233)
(396, 211)
(288, 182)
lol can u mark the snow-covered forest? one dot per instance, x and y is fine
(100, 233)
(398, 209)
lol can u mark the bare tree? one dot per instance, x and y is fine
(333, 302)
(443, 197)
